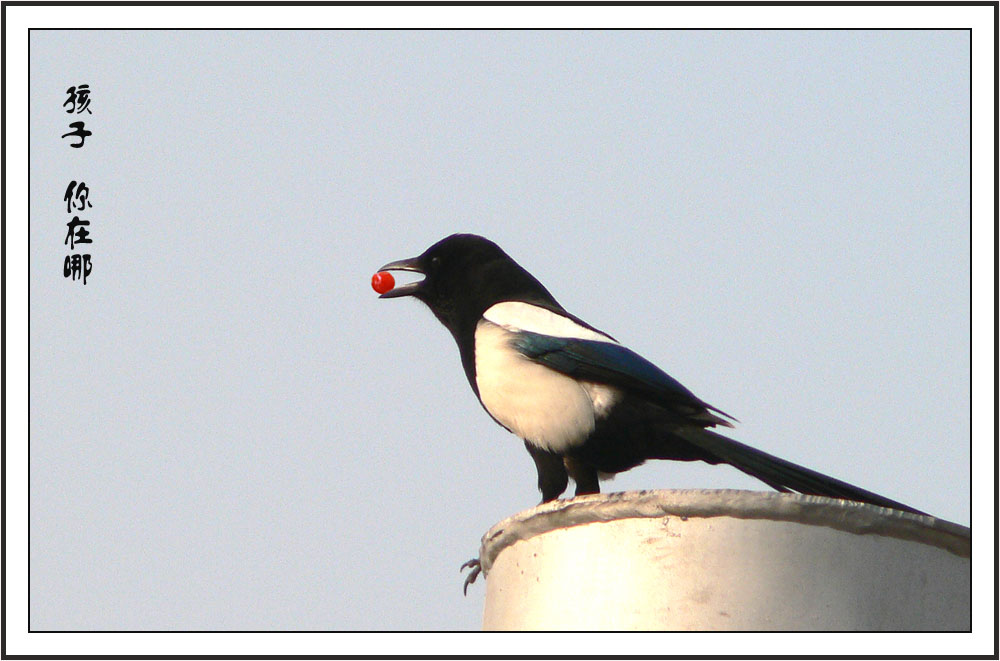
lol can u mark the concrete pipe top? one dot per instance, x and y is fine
(724, 560)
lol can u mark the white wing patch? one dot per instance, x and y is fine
(548, 409)
(515, 316)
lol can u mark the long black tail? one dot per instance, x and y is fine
(782, 475)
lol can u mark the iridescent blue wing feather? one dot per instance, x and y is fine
(607, 363)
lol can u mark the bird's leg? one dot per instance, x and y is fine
(584, 475)
(552, 477)
(473, 575)
(552, 481)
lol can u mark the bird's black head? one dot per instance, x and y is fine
(465, 274)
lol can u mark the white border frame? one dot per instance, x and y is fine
(980, 19)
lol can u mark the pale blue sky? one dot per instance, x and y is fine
(230, 431)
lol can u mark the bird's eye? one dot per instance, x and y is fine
(435, 262)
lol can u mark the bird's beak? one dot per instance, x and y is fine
(410, 288)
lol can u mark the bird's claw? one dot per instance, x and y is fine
(473, 575)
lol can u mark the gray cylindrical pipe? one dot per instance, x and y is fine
(725, 560)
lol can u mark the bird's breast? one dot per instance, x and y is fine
(549, 410)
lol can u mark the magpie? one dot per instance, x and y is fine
(585, 406)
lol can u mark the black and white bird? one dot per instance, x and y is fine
(584, 405)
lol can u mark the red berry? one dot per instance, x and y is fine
(383, 282)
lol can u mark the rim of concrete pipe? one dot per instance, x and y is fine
(849, 516)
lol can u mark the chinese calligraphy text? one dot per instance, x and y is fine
(77, 266)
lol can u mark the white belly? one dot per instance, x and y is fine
(546, 408)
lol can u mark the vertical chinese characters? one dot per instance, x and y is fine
(78, 102)
(77, 266)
